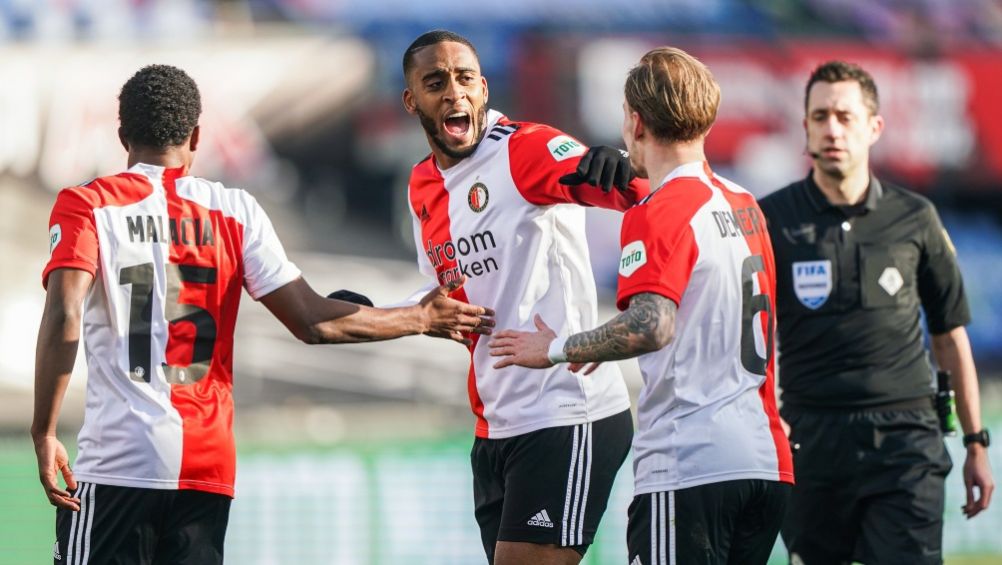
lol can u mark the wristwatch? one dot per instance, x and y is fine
(981, 437)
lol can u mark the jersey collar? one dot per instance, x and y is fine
(160, 177)
(874, 192)
(699, 169)
(493, 116)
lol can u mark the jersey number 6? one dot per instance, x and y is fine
(141, 277)
(752, 304)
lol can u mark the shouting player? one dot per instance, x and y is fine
(488, 204)
(696, 286)
(150, 263)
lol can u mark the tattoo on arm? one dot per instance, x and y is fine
(647, 325)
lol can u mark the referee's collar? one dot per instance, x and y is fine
(820, 202)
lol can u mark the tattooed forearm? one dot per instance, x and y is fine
(647, 325)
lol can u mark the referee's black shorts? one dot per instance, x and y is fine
(550, 486)
(140, 526)
(870, 485)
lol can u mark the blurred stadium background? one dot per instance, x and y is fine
(358, 454)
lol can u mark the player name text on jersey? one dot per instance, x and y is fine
(740, 222)
(181, 231)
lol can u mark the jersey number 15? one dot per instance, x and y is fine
(141, 277)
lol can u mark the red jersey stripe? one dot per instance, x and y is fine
(430, 203)
(759, 244)
(196, 343)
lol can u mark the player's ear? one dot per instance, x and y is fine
(483, 80)
(408, 100)
(122, 140)
(193, 140)
(637, 123)
(876, 127)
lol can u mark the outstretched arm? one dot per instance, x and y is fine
(315, 319)
(604, 167)
(549, 167)
(647, 325)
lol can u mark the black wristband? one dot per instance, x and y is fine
(981, 437)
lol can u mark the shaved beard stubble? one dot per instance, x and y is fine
(431, 128)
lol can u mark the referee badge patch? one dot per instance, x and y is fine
(890, 280)
(812, 282)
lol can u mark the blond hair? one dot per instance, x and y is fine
(674, 94)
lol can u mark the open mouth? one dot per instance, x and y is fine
(457, 124)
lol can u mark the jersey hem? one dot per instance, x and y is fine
(777, 476)
(536, 535)
(290, 273)
(158, 484)
(495, 433)
(623, 302)
(864, 405)
(79, 264)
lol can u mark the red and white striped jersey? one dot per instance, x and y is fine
(501, 218)
(169, 254)
(707, 411)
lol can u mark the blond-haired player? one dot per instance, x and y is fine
(696, 286)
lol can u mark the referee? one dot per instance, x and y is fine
(855, 259)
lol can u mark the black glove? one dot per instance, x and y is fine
(602, 166)
(349, 296)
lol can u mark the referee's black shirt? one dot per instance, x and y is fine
(860, 343)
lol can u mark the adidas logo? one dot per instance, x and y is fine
(541, 519)
(636, 561)
(55, 552)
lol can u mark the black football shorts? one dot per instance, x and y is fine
(126, 525)
(726, 523)
(550, 486)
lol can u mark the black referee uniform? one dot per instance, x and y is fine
(856, 377)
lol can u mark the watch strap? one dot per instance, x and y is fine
(981, 437)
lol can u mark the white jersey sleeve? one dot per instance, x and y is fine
(266, 266)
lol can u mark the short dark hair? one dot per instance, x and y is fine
(841, 71)
(159, 107)
(433, 37)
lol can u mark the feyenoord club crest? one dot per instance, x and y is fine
(478, 197)
(812, 282)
